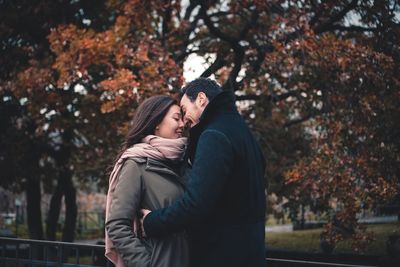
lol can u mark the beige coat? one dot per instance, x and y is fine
(150, 184)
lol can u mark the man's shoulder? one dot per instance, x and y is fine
(215, 129)
(227, 123)
(213, 132)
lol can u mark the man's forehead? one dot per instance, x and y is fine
(184, 100)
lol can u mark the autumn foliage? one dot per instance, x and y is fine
(318, 82)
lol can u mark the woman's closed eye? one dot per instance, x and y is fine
(177, 117)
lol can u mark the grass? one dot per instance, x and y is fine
(88, 234)
(85, 260)
(308, 240)
(304, 240)
(271, 220)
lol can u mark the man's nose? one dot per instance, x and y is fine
(186, 122)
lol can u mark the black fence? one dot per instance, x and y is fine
(286, 258)
(22, 252)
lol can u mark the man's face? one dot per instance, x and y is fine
(193, 110)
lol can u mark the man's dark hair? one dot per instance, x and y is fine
(209, 87)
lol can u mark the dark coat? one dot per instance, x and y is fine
(224, 205)
(151, 184)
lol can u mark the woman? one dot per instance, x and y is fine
(146, 175)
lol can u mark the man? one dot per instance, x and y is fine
(223, 208)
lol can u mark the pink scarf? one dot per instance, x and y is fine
(154, 147)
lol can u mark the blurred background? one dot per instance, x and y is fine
(317, 81)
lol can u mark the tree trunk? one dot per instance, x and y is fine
(71, 209)
(33, 196)
(54, 212)
(302, 222)
(34, 214)
(64, 188)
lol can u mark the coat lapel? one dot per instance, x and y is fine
(159, 167)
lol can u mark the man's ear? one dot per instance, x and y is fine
(202, 99)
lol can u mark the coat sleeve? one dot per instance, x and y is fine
(213, 160)
(124, 207)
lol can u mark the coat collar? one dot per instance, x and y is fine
(223, 102)
(160, 167)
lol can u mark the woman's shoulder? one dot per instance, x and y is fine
(135, 160)
(132, 165)
(154, 165)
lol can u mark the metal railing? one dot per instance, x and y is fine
(24, 252)
(16, 252)
(275, 262)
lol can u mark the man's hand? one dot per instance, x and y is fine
(143, 213)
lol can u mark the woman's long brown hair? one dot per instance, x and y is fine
(147, 117)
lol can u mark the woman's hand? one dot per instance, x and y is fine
(143, 213)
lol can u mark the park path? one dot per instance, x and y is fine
(372, 220)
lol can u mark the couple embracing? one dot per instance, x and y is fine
(202, 201)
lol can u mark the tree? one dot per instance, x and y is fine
(354, 159)
(311, 69)
(25, 82)
(61, 113)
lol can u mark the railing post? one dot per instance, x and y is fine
(25, 252)
(17, 253)
(77, 256)
(30, 253)
(3, 252)
(60, 255)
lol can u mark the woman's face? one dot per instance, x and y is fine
(171, 126)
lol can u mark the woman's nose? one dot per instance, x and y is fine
(181, 123)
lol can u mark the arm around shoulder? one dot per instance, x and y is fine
(213, 161)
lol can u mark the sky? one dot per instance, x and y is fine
(194, 67)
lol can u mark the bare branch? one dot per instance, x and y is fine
(215, 31)
(179, 57)
(185, 54)
(230, 84)
(233, 41)
(218, 63)
(219, 14)
(273, 98)
(325, 26)
(297, 121)
(317, 14)
(353, 28)
(166, 20)
(312, 114)
(189, 10)
(248, 97)
(248, 26)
